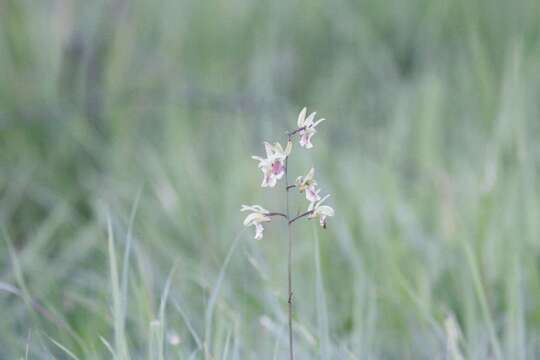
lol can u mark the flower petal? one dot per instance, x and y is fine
(255, 208)
(312, 194)
(303, 138)
(288, 148)
(278, 149)
(266, 180)
(309, 145)
(249, 220)
(323, 200)
(269, 149)
(258, 231)
(318, 122)
(309, 121)
(311, 174)
(325, 210)
(302, 117)
(272, 180)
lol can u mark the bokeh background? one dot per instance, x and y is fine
(143, 115)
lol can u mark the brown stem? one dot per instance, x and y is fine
(300, 216)
(289, 263)
(292, 133)
(275, 213)
(289, 187)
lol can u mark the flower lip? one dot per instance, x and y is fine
(277, 167)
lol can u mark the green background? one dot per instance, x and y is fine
(430, 151)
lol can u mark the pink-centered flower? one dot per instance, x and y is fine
(321, 211)
(273, 166)
(308, 185)
(257, 216)
(307, 124)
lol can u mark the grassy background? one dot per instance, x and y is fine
(143, 115)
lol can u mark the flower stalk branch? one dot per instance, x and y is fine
(278, 214)
(307, 213)
(294, 132)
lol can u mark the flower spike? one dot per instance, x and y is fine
(274, 167)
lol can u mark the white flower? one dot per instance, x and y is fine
(309, 185)
(321, 211)
(308, 127)
(273, 166)
(256, 218)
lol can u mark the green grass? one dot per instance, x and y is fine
(126, 130)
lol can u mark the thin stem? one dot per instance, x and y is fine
(292, 133)
(289, 187)
(275, 213)
(289, 265)
(300, 216)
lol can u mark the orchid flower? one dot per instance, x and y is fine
(308, 185)
(256, 218)
(307, 127)
(321, 211)
(273, 166)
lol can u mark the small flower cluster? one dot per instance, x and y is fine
(274, 168)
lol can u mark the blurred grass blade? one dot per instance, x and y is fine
(188, 324)
(155, 349)
(119, 310)
(64, 349)
(108, 346)
(127, 250)
(215, 292)
(322, 310)
(162, 320)
(483, 301)
(225, 354)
